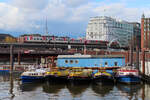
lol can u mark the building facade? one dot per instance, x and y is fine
(145, 33)
(7, 38)
(109, 29)
(136, 34)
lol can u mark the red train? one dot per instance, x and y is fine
(36, 38)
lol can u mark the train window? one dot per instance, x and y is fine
(71, 61)
(76, 61)
(66, 61)
(116, 64)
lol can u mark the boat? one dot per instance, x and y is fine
(77, 74)
(57, 75)
(128, 74)
(34, 74)
(4, 69)
(103, 77)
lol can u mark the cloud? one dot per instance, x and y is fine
(118, 11)
(82, 13)
(74, 3)
(56, 11)
(30, 4)
(69, 15)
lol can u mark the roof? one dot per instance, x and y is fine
(3, 36)
(90, 56)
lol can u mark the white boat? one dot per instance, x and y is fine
(128, 74)
(34, 74)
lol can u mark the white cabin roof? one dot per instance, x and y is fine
(90, 56)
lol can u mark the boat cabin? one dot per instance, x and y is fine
(90, 61)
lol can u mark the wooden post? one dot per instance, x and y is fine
(131, 53)
(19, 58)
(84, 50)
(11, 86)
(143, 93)
(11, 59)
(137, 57)
(143, 61)
(128, 54)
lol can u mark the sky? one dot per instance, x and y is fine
(64, 17)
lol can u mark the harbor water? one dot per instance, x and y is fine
(12, 89)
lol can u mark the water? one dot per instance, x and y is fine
(12, 89)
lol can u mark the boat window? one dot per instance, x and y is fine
(106, 63)
(116, 63)
(71, 61)
(66, 61)
(76, 61)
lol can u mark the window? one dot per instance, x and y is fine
(116, 64)
(76, 61)
(106, 63)
(66, 61)
(71, 61)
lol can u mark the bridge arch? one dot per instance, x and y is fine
(114, 40)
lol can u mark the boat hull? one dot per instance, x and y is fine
(53, 78)
(80, 80)
(4, 71)
(129, 79)
(31, 79)
(104, 79)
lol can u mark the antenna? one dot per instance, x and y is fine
(46, 28)
(104, 12)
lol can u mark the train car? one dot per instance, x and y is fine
(37, 38)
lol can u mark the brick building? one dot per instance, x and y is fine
(145, 33)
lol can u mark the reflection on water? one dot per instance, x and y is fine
(102, 89)
(12, 89)
(51, 87)
(29, 87)
(130, 91)
(76, 89)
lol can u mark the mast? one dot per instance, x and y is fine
(131, 50)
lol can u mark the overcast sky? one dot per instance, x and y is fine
(64, 17)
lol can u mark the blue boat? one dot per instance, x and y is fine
(4, 71)
(34, 75)
(128, 75)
